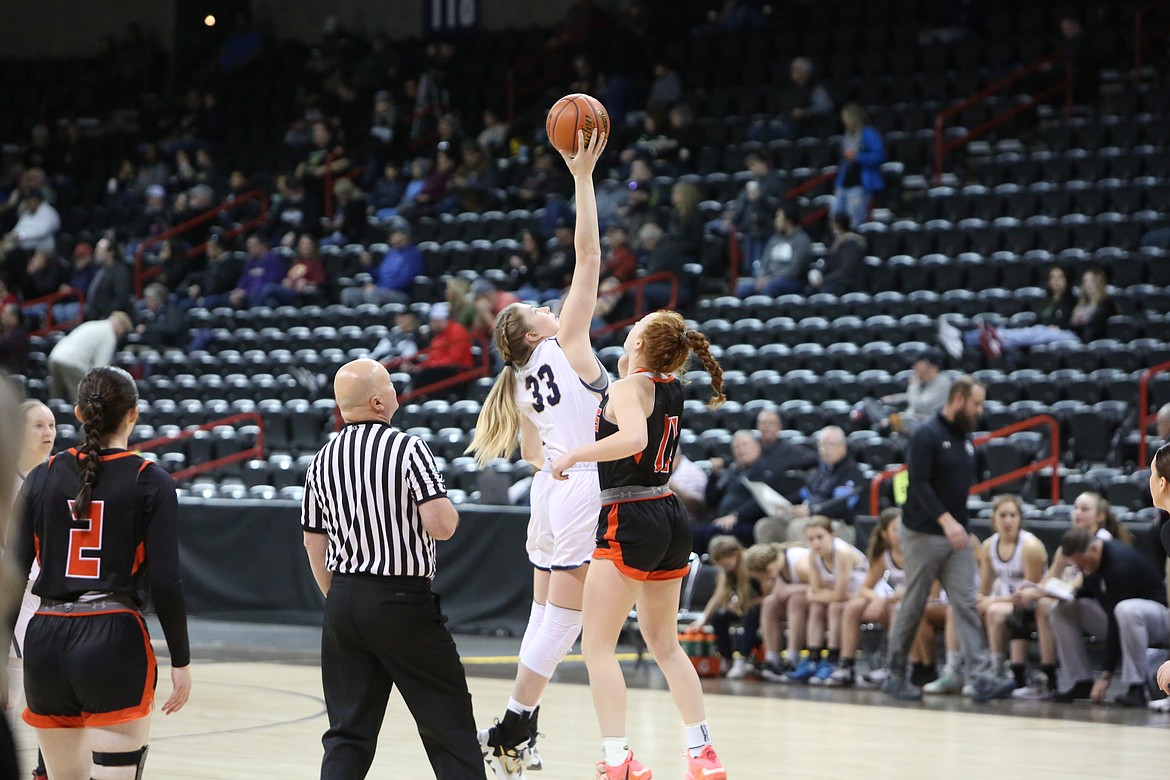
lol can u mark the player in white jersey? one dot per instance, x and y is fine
(787, 566)
(547, 396)
(880, 592)
(1013, 559)
(40, 433)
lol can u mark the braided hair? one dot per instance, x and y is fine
(667, 346)
(105, 396)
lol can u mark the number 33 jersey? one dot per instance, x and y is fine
(652, 466)
(131, 528)
(557, 401)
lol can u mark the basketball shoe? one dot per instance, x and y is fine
(705, 766)
(627, 770)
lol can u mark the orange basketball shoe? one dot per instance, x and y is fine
(628, 770)
(706, 766)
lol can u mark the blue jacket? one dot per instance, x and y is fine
(870, 157)
(399, 267)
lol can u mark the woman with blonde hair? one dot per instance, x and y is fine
(786, 565)
(546, 397)
(643, 537)
(1093, 308)
(736, 600)
(859, 172)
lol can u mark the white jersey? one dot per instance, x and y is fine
(557, 401)
(792, 558)
(856, 575)
(1009, 574)
(893, 581)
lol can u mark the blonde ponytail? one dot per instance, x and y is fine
(498, 427)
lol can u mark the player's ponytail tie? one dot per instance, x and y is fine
(96, 398)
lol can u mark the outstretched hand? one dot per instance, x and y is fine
(584, 161)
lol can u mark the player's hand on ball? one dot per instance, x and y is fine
(584, 161)
(561, 465)
(180, 689)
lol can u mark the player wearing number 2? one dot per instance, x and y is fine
(102, 522)
(643, 538)
(547, 395)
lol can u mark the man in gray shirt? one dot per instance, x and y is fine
(784, 263)
(925, 395)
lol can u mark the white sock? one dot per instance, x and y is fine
(615, 750)
(521, 709)
(953, 659)
(698, 737)
(535, 618)
(772, 657)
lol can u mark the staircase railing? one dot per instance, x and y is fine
(1052, 461)
(143, 275)
(46, 302)
(942, 147)
(256, 451)
(1144, 414)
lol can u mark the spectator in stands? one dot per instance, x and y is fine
(663, 254)
(394, 278)
(926, 394)
(781, 456)
(842, 269)
(859, 172)
(152, 169)
(325, 157)
(952, 21)
(754, 210)
(435, 187)
(1162, 423)
(401, 343)
(686, 222)
(449, 351)
(735, 602)
(288, 207)
(242, 46)
(89, 345)
(802, 101)
(193, 203)
(666, 87)
(387, 191)
(262, 267)
(160, 323)
(734, 505)
(639, 210)
(836, 572)
(835, 488)
(493, 138)
(619, 261)
(155, 216)
(43, 275)
(349, 214)
(214, 285)
(488, 301)
(1125, 604)
(678, 150)
(787, 566)
(1082, 51)
(13, 339)
(305, 276)
(81, 274)
(1094, 307)
(112, 288)
(37, 223)
(457, 294)
(875, 602)
(733, 17)
(1013, 559)
(543, 178)
(784, 262)
(383, 138)
(473, 186)
(546, 280)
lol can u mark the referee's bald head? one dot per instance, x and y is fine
(363, 391)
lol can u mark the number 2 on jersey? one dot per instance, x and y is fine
(553, 394)
(86, 540)
(668, 446)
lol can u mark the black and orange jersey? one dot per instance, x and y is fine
(128, 545)
(652, 466)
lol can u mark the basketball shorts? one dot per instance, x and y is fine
(564, 517)
(646, 540)
(1022, 622)
(29, 605)
(88, 669)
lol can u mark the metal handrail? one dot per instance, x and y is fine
(143, 275)
(639, 287)
(49, 325)
(1144, 415)
(1052, 461)
(1140, 36)
(475, 371)
(256, 451)
(941, 148)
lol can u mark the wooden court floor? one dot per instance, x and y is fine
(264, 720)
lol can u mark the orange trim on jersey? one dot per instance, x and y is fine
(114, 717)
(142, 468)
(614, 554)
(86, 614)
(103, 458)
(611, 527)
(668, 574)
(37, 547)
(656, 379)
(638, 457)
(139, 557)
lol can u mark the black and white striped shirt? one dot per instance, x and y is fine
(364, 489)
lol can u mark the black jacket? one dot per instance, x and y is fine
(836, 491)
(1124, 573)
(111, 290)
(942, 471)
(728, 494)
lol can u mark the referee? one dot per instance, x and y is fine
(374, 504)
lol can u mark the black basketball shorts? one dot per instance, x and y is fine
(647, 540)
(88, 669)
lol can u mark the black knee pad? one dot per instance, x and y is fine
(1021, 623)
(136, 758)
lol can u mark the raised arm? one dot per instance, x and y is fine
(581, 300)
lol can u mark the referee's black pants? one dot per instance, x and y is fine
(385, 631)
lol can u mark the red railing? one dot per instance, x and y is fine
(639, 287)
(256, 451)
(50, 324)
(1144, 415)
(515, 93)
(1141, 37)
(1052, 461)
(808, 219)
(143, 275)
(943, 147)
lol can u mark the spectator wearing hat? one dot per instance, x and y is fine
(37, 223)
(395, 274)
(925, 396)
(112, 288)
(155, 216)
(449, 351)
(784, 263)
(263, 267)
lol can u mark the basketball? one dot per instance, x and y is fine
(572, 113)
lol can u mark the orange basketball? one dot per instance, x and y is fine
(572, 113)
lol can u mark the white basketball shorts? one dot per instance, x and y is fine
(563, 527)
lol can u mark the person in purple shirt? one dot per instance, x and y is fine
(262, 268)
(394, 275)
